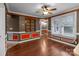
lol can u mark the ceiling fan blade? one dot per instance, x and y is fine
(39, 11)
(52, 9)
(49, 12)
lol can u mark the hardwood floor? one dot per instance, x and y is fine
(41, 47)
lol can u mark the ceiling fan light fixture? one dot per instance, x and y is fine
(45, 12)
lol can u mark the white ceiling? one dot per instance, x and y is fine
(31, 8)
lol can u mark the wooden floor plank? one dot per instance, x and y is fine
(42, 47)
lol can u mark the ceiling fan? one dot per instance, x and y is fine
(46, 9)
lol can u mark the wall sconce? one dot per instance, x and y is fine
(10, 28)
(25, 21)
(22, 24)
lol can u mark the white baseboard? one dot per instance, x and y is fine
(63, 42)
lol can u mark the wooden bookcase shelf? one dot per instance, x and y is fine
(32, 25)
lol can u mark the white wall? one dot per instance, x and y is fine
(2, 29)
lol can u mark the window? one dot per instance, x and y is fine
(68, 29)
